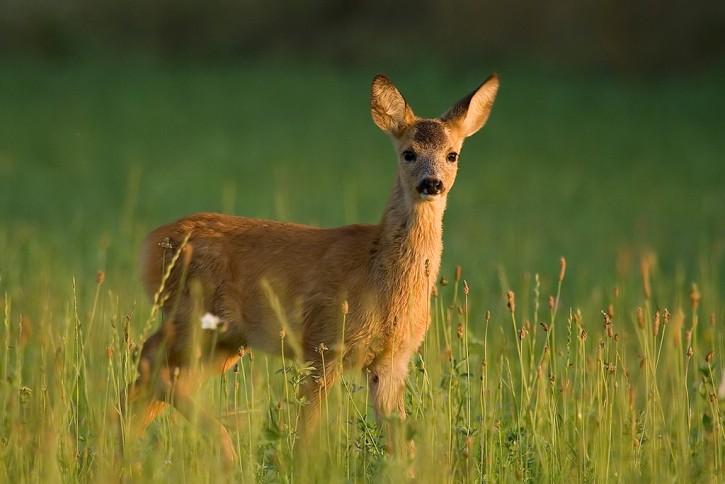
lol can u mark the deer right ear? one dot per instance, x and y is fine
(388, 107)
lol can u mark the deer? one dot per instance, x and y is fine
(280, 286)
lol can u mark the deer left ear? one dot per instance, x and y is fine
(471, 112)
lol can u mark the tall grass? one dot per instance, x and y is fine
(623, 392)
(605, 367)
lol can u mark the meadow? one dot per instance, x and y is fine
(576, 331)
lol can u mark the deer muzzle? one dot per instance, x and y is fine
(430, 188)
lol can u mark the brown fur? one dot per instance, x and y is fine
(261, 277)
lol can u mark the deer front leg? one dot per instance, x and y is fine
(387, 388)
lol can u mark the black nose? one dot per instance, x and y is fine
(430, 186)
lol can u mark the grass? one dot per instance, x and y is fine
(529, 371)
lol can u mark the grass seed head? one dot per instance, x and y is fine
(708, 357)
(458, 273)
(562, 268)
(656, 324)
(465, 288)
(690, 352)
(695, 296)
(100, 277)
(511, 303)
(640, 317)
(345, 307)
(645, 269)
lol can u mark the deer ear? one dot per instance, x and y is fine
(471, 112)
(388, 107)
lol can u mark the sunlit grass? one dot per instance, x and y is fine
(607, 370)
(528, 389)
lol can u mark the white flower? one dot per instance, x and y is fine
(210, 321)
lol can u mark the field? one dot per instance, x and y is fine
(606, 370)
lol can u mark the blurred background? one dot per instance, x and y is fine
(639, 37)
(605, 145)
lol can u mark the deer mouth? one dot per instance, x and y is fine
(429, 197)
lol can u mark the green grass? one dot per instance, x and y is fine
(614, 175)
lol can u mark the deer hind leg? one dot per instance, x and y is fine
(164, 380)
(141, 401)
(188, 382)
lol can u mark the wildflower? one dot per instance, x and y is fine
(210, 321)
(166, 244)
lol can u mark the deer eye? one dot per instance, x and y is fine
(452, 157)
(409, 155)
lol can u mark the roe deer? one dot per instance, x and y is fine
(260, 278)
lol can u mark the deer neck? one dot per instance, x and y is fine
(409, 245)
